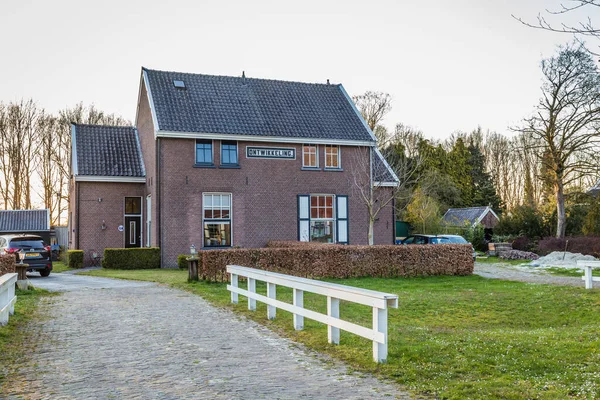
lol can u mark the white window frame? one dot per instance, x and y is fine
(316, 146)
(141, 215)
(339, 156)
(333, 218)
(230, 219)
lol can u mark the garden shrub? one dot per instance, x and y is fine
(588, 245)
(182, 262)
(134, 258)
(75, 258)
(523, 243)
(338, 261)
(294, 244)
(7, 264)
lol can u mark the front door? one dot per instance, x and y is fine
(133, 231)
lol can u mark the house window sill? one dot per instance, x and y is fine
(230, 166)
(334, 169)
(204, 166)
(311, 169)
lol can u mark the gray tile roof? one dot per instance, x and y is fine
(460, 216)
(381, 172)
(24, 220)
(108, 151)
(248, 106)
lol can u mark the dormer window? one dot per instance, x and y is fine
(179, 84)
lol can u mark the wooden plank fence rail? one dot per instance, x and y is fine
(7, 297)
(587, 272)
(378, 301)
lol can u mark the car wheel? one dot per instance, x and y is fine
(44, 272)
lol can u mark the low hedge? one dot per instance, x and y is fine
(588, 245)
(182, 261)
(281, 244)
(75, 258)
(387, 261)
(7, 264)
(134, 258)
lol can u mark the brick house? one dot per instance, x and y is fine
(220, 161)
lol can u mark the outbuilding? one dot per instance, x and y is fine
(34, 222)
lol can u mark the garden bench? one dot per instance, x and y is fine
(378, 301)
(587, 272)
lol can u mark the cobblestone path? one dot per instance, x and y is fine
(160, 343)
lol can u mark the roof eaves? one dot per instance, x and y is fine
(387, 165)
(139, 147)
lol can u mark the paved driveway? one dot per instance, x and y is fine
(134, 340)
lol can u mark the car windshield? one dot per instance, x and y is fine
(439, 240)
(27, 243)
(455, 239)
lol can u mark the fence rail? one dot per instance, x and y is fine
(587, 272)
(7, 297)
(378, 301)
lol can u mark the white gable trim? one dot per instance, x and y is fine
(151, 102)
(256, 138)
(487, 210)
(389, 168)
(385, 184)
(73, 150)
(116, 179)
(139, 147)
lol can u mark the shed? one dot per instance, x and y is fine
(471, 216)
(35, 222)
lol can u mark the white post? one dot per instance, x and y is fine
(298, 302)
(271, 293)
(4, 299)
(251, 289)
(380, 325)
(234, 283)
(11, 295)
(333, 310)
(588, 277)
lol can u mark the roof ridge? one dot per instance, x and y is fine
(105, 126)
(241, 77)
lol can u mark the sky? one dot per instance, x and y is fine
(448, 65)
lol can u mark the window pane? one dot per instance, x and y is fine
(233, 157)
(321, 231)
(225, 200)
(208, 214)
(313, 201)
(216, 201)
(217, 234)
(224, 213)
(314, 213)
(133, 205)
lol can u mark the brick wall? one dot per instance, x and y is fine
(264, 196)
(110, 210)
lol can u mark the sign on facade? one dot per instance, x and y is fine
(286, 153)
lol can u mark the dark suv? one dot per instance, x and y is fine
(437, 239)
(36, 253)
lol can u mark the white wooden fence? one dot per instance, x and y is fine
(7, 297)
(377, 300)
(587, 272)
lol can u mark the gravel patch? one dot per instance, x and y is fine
(524, 273)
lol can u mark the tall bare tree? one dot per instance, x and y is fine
(374, 106)
(566, 122)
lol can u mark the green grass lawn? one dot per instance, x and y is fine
(452, 337)
(14, 336)
(570, 271)
(59, 266)
(497, 260)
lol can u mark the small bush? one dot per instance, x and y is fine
(75, 258)
(523, 243)
(182, 261)
(7, 264)
(136, 258)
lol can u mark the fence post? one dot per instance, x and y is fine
(192, 269)
(588, 277)
(298, 302)
(380, 325)
(271, 293)
(333, 310)
(251, 289)
(234, 283)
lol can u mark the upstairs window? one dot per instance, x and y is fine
(229, 153)
(332, 156)
(310, 156)
(204, 153)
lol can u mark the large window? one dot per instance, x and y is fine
(204, 153)
(229, 154)
(322, 220)
(216, 209)
(310, 156)
(332, 156)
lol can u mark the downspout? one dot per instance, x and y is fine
(394, 220)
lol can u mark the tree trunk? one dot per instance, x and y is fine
(370, 235)
(561, 217)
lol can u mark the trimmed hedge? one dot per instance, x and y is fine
(134, 258)
(7, 264)
(75, 258)
(588, 245)
(182, 261)
(281, 244)
(333, 261)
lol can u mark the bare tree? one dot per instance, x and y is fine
(566, 122)
(374, 106)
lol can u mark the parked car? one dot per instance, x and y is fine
(36, 253)
(437, 239)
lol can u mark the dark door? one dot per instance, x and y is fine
(133, 231)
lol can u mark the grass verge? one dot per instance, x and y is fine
(59, 266)
(569, 271)
(14, 336)
(452, 337)
(498, 260)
